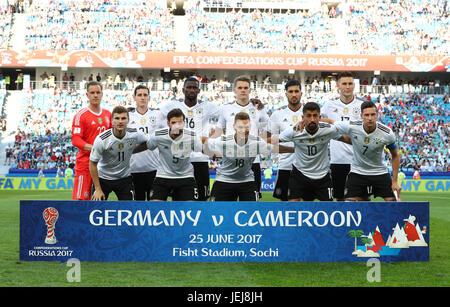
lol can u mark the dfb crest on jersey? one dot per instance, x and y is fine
(356, 111)
(252, 112)
(180, 150)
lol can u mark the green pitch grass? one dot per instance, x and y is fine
(13, 272)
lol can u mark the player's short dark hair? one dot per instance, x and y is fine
(292, 82)
(175, 113)
(191, 79)
(345, 74)
(241, 116)
(311, 106)
(367, 105)
(119, 110)
(93, 83)
(141, 87)
(241, 78)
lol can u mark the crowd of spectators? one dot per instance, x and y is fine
(35, 151)
(2, 111)
(112, 25)
(260, 32)
(412, 27)
(421, 125)
(5, 25)
(409, 27)
(419, 121)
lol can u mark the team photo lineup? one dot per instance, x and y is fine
(224, 144)
(151, 154)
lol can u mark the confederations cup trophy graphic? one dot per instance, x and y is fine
(50, 217)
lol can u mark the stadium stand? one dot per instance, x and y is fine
(421, 124)
(5, 24)
(260, 32)
(372, 27)
(99, 25)
(2, 111)
(419, 121)
(399, 27)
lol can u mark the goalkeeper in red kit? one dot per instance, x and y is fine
(86, 125)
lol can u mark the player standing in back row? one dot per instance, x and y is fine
(279, 121)
(144, 164)
(86, 125)
(343, 109)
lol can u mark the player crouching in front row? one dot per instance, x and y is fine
(368, 172)
(109, 163)
(175, 173)
(234, 177)
(310, 176)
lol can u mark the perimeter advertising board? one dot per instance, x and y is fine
(216, 60)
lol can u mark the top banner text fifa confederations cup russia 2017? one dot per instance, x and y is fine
(223, 231)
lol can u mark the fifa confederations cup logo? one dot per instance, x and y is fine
(50, 217)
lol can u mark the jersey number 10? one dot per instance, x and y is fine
(312, 150)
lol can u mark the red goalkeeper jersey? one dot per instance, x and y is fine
(86, 126)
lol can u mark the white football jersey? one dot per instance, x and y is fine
(148, 160)
(175, 155)
(197, 118)
(279, 121)
(237, 160)
(113, 155)
(311, 151)
(368, 148)
(258, 118)
(341, 153)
